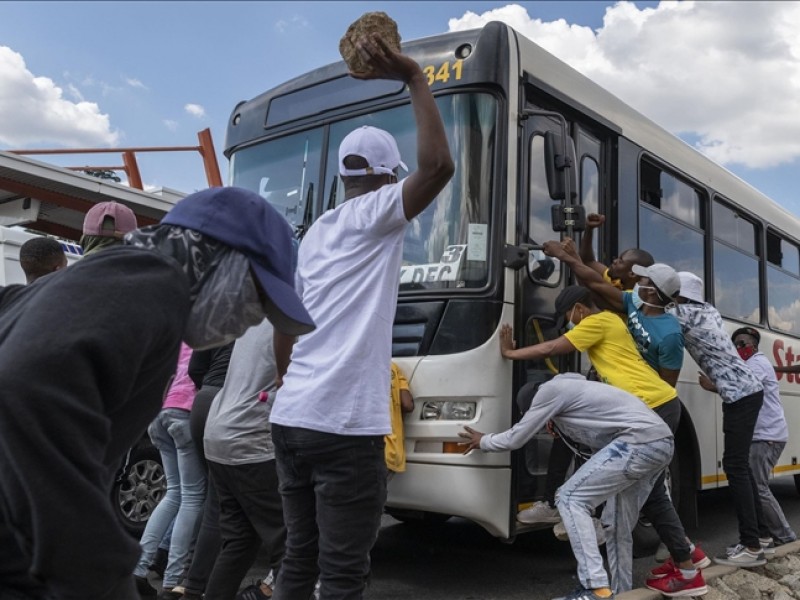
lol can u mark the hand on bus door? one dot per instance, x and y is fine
(507, 343)
(474, 438)
(385, 63)
(553, 248)
(569, 247)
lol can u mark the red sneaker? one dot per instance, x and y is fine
(675, 584)
(699, 559)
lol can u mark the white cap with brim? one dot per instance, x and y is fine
(662, 276)
(376, 146)
(691, 287)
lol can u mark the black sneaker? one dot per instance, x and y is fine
(252, 592)
(169, 595)
(144, 588)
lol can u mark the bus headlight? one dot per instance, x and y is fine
(447, 410)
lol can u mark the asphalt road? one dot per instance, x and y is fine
(457, 560)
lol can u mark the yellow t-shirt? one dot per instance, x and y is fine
(614, 355)
(617, 283)
(395, 442)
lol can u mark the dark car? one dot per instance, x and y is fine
(139, 486)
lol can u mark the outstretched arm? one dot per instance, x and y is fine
(434, 163)
(508, 347)
(591, 278)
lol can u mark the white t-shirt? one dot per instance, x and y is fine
(347, 275)
(771, 425)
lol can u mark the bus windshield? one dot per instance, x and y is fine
(447, 246)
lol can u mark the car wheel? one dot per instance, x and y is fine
(139, 488)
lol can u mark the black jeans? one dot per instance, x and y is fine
(738, 422)
(250, 514)
(658, 507)
(333, 489)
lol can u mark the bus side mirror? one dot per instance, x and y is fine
(560, 167)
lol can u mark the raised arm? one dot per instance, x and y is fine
(593, 221)
(565, 252)
(434, 162)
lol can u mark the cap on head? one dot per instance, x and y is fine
(663, 277)
(691, 287)
(747, 331)
(376, 146)
(247, 223)
(109, 219)
(569, 297)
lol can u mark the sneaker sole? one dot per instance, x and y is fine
(702, 564)
(692, 592)
(745, 565)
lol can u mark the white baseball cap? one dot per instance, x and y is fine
(376, 146)
(691, 287)
(663, 277)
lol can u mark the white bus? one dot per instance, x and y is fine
(516, 117)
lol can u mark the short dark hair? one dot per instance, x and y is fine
(640, 257)
(40, 256)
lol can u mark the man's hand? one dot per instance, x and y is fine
(553, 248)
(473, 437)
(705, 382)
(593, 220)
(569, 248)
(384, 62)
(507, 343)
(551, 429)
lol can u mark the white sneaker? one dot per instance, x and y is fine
(767, 546)
(561, 532)
(540, 512)
(741, 556)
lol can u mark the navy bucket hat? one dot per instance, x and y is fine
(246, 222)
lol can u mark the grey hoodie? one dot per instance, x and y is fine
(589, 412)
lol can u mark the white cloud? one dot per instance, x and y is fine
(726, 74)
(33, 110)
(196, 110)
(135, 83)
(170, 124)
(294, 23)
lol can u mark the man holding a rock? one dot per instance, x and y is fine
(330, 413)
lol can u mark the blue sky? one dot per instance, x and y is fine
(723, 76)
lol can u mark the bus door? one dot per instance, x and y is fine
(536, 288)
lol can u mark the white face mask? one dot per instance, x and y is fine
(226, 306)
(570, 324)
(637, 299)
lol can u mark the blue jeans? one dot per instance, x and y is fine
(763, 458)
(333, 489)
(621, 475)
(183, 502)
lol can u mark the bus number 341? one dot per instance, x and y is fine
(443, 72)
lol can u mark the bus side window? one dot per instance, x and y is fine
(671, 219)
(736, 264)
(783, 283)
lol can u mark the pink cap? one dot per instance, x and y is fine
(122, 220)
